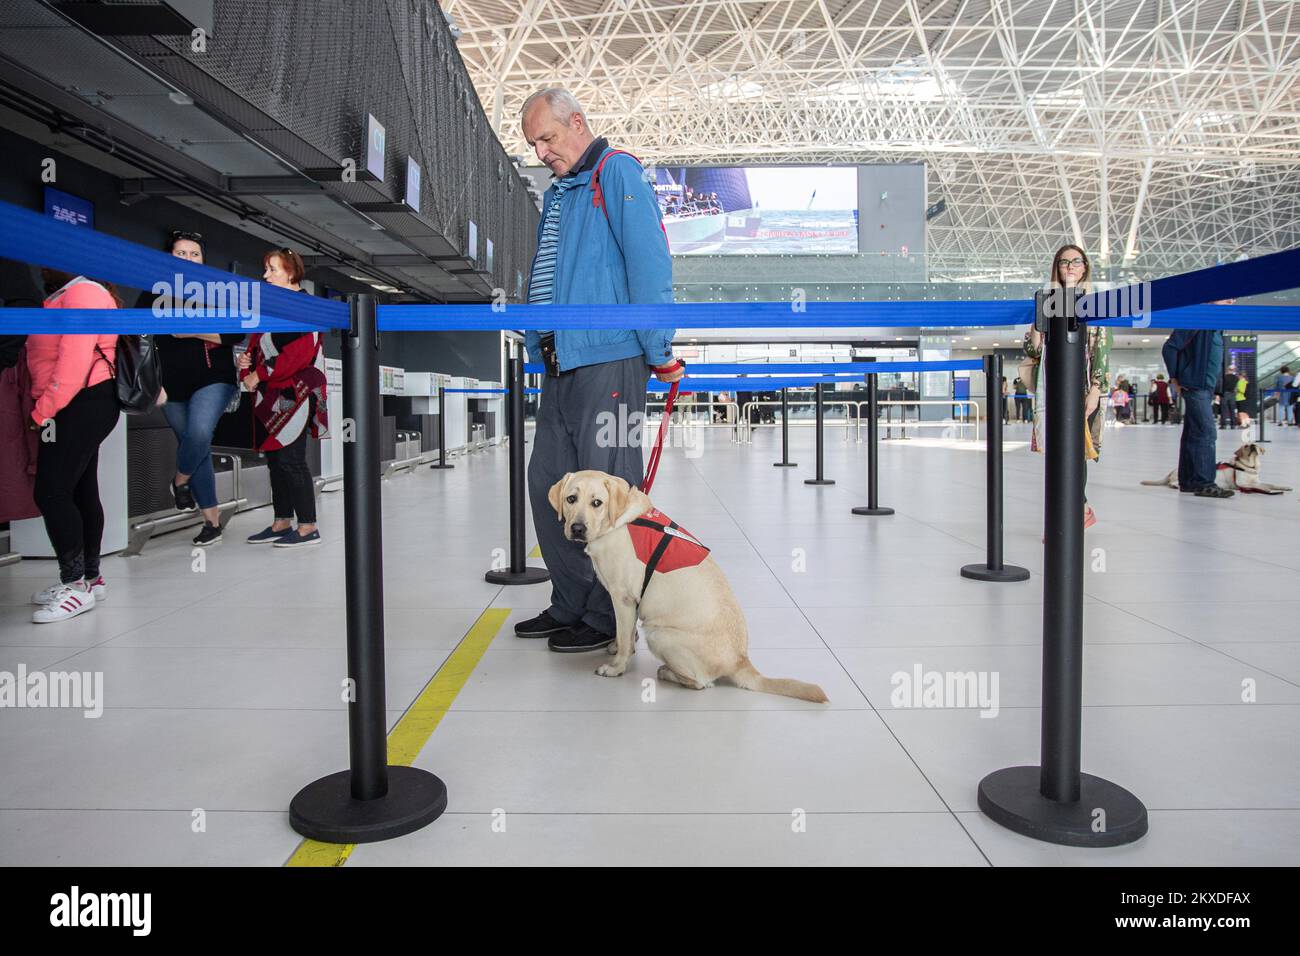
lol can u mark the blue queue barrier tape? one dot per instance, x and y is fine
(857, 369)
(398, 318)
(136, 321)
(723, 384)
(35, 238)
(494, 391)
(719, 315)
(1246, 318)
(1232, 280)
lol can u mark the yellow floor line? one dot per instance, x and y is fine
(536, 552)
(407, 739)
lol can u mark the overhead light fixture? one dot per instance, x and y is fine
(180, 99)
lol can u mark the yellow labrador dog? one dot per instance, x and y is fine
(691, 619)
(1240, 474)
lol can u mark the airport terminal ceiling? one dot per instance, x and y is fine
(1162, 134)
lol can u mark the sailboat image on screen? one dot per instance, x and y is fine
(716, 210)
(704, 207)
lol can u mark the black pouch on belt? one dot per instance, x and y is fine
(550, 358)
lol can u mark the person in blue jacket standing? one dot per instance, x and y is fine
(600, 242)
(1194, 360)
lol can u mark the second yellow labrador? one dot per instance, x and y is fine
(691, 619)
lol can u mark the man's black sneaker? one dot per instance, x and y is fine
(210, 534)
(541, 626)
(1214, 491)
(183, 497)
(579, 638)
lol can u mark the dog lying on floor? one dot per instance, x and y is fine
(659, 573)
(1240, 474)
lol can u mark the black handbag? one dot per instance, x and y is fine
(137, 374)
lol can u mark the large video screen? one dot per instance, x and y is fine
(759, 210)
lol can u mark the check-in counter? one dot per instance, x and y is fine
(473, 419)
(421, 391)
(487, 415)
(331, 448)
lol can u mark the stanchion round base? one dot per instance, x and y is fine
(785, 464)
(526, 576)
(864, 510)
(1012, 797)
(436, 465)
(325, 810)
(819, 481)
(982, 572)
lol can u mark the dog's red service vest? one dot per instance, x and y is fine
(1229, 466)
(662, 546)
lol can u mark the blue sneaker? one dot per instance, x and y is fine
(296, 540)
(267, 536)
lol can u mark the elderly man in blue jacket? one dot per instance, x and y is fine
(589, 253)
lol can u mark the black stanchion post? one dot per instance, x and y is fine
(993, 569)
(785, 461)
(873, 435)
(1261, 440)
(371, 801)
(519, 572)
(819, 480)
(442, 431)
(1055, 801)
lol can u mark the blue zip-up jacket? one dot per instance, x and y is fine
(1194, 358)
(599, 262)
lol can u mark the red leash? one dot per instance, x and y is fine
(655, 452)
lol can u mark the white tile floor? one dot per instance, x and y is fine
(222, 686)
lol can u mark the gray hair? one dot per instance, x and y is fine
(563, 104)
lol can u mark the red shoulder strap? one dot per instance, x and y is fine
(598, 194)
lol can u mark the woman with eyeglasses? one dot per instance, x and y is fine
(198, 374)
(285, 371)
(1071, 269)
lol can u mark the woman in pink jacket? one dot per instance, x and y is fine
(76, 409)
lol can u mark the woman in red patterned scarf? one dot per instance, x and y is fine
(286, 373)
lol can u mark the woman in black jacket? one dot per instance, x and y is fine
(198, 375)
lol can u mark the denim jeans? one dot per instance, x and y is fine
(1196, 450)
(193, 422)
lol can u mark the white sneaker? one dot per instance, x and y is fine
(69, 601)
(98, 588)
